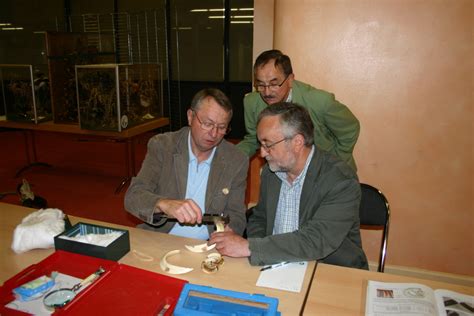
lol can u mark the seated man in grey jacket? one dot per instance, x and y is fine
(309, 200)
(191, 172)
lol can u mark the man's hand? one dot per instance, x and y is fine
(230, 244)
(185, 211)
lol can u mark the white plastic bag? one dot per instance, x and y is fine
(38, 229)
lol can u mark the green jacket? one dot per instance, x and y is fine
(336, 129)
(329, 225)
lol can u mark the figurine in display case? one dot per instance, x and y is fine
(114, 97)
(65, 50)
(25, 93)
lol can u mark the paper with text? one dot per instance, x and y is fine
(288, 277)
(385, 298)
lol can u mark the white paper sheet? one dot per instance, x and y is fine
(287, 277)
(36, 306)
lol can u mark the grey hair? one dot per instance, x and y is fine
(294, 120)
(215, 94)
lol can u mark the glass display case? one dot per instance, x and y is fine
(66, 50)
(114, 97)
(25, 93)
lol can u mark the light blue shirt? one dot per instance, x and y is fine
(198, 175)
(288, 207)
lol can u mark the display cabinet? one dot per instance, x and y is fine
(66, 50)
(25, 93)
(114, 97)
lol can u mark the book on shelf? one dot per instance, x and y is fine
(385, 298)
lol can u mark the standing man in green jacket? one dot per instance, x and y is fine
(336, 129)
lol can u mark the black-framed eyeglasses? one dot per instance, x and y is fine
(270, 146)
(209, 126)
(272, 86)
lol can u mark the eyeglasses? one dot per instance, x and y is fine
(208, 126)
(272, 86)
(269, 147)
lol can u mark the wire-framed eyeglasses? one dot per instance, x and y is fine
(209, 126)
(269, 147)
(271, 86)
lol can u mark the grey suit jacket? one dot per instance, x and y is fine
(329, 228)
(164, 174)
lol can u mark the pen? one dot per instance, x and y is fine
(272, 266)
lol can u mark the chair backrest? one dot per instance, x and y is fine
(374, 212)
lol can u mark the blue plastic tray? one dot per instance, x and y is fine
(199, 300)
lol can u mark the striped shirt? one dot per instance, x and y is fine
(287, 213)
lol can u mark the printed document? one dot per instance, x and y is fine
(415, 299)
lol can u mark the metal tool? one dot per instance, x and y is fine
(59, 298)
(207, 218)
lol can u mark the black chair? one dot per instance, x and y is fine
(374, 213)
